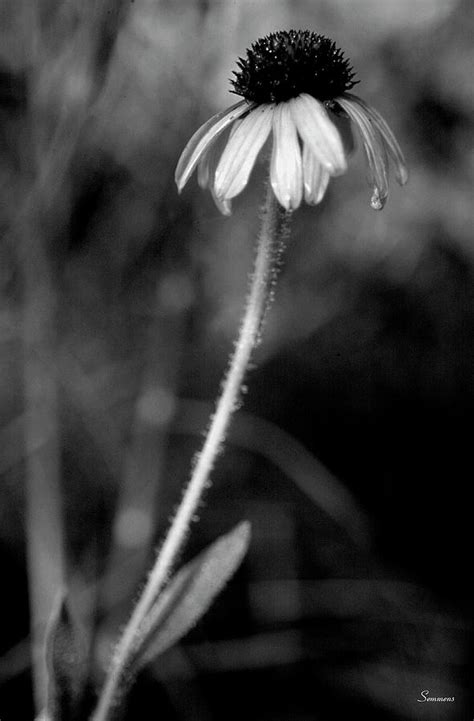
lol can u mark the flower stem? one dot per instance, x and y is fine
(273, 231)
(43, 511)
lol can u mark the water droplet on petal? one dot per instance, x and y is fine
(376, 202)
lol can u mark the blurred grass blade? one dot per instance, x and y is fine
(190, 593)
(66, 662)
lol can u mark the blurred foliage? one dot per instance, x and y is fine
(366, 362)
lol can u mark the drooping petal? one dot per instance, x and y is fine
(210, 157)
(204, 167)
(206, 173)
(207, 170)
(374, 150)
(208, 164)
(319, 132)
(315, 177)
(203, 173)
(394, 150)
(240, 153)
(286, 175)
(344, 126)
(203, 137)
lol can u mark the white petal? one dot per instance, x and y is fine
(391, 142)
(207, 170)
(210, 158)
(315, 177)
(208, 161)
(241, 151)
(286, 175)
(203, 137)
(319, 132)
(374, 150)
(345, 128)
(203, 172)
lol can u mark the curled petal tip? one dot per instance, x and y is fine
(177, 180)
(340, 169)
(402, 175)
(224, 205)
(284, 200)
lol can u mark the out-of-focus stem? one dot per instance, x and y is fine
(44, 532)
(141, 484)
(272, 232)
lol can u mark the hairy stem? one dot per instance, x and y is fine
(274, 227)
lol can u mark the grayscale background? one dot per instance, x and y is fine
(352, 455)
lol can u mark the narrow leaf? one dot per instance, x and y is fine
(190, 593)
(66, 659)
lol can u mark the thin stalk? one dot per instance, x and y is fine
(274, 227)
(44, 528)
(142, 480)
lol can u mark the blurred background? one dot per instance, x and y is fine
(119, 303)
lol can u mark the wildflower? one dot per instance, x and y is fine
(295, 86)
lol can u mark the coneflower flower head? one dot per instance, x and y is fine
(283, 65)
(295, 87)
